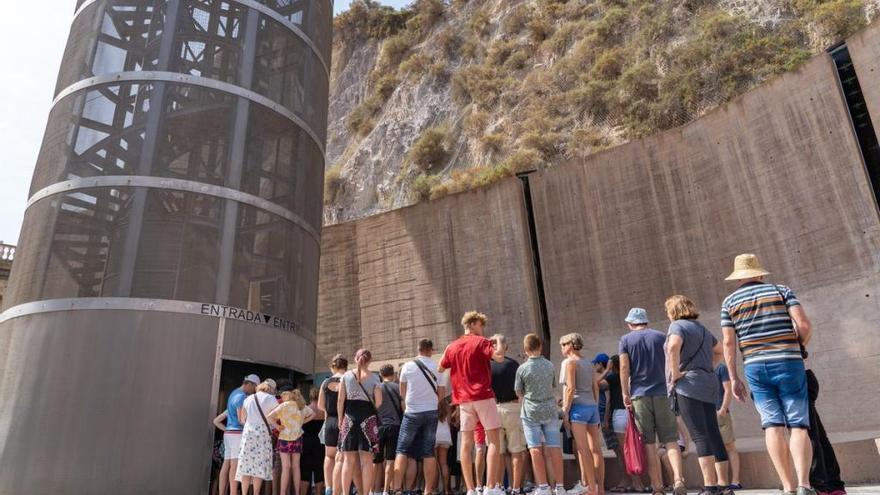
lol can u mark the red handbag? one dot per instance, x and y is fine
(634, 449)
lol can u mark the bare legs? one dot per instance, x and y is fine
(777, 447)
(618, 452)
(285, 474)
(802, 455)
(466, 455)
(493, 457)
(721, 468)
(480, 464)
(594, 439)
(583, 444)
(329, 463)
(442, 454)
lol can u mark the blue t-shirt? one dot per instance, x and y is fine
(647, 362)
(723, 376)
(235, 402)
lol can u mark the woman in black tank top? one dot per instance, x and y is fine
(327, 400)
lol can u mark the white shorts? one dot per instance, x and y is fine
(619, 420)
(231, 444)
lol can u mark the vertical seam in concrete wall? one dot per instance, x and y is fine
(536, 262)
(860, 144)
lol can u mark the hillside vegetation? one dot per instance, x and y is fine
(444, 96)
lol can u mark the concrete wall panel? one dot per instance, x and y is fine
(418, 269)
(776, 172)
(136, 385)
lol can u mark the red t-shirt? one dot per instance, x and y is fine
(470, 371)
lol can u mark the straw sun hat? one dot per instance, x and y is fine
(746, 266)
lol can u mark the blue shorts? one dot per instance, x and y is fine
(417, 434)
(547, 433)
(580, 413)
(779, 390)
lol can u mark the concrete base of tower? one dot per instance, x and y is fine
(120, 401)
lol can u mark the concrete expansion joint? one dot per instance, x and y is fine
(176, 185)
(176, 77)
(263, 9)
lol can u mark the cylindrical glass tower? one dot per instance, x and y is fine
(173, 223)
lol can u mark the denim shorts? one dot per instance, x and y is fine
(546, 433)
(417, 434)
(779, 390)
(584, 414)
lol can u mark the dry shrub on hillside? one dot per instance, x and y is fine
(333, 183)
(429, 150)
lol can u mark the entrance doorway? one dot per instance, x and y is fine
(232, 374)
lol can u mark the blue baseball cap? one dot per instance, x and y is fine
(601, 358)
(637, 316)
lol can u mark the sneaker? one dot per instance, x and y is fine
(560, 490)
(472, 492)
(499, 491)
(577, 489)
(802, 490)
(543, 490)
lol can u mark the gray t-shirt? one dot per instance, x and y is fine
(699, 381)
(534, 379)
(647, 362)
(353, 391)
(388, 411)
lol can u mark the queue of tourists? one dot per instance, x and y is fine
(478, 422)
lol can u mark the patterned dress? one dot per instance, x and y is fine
(255, 456)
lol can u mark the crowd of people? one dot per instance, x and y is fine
(479, 422)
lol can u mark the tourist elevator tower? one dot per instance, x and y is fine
(173, 227)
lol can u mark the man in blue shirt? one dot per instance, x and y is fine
(643, 382)
(232, 432)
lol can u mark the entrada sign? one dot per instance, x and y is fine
(247, 315)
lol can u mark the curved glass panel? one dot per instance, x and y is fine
(209, 41)
(75, 244)
(102, 131)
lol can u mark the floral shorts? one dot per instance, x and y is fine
(294, 447)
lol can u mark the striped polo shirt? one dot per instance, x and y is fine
(759, 313)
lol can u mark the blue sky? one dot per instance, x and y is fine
(341, 5)
(26, 94)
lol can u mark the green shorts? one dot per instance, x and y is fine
(655, 419)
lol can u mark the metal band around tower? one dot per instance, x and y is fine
(174, 77)
(142, 304)
(266, 10)
(176, 185)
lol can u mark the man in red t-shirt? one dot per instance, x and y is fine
(468, 362)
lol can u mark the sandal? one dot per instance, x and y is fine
(678, 488)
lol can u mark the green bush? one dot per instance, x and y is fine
(540, 29)
(516, 61)
(522, 160)
(368, 19)
(515, 21)
(493, 142)
(422, 185)
(393, 50)
(385, 86)
(479, 84)
(360, 120)
(448, 42)
(839, 19)
(478, 23)
(429, 150)
(416, 65)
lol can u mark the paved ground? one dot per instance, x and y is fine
(860, 490)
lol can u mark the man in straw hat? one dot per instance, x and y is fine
(772, 330)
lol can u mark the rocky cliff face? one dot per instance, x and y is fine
(443, 97)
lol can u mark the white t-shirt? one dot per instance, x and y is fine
(267, 402)
(420, 397)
